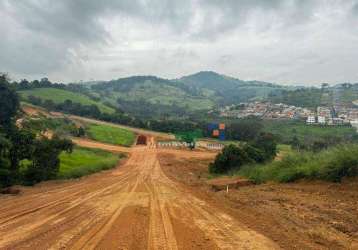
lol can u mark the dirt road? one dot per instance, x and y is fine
(135, 206)
(303, 215)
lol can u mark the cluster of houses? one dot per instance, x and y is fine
(265, 110)
(337, 115)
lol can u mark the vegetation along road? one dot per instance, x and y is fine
(135, 206)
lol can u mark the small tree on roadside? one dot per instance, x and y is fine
(253, 153)
(45, 159)
(231, 157)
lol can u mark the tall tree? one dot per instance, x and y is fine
(9, 102)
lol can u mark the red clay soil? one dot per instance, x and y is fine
(228, 183)
(135, 206)
(304, 215)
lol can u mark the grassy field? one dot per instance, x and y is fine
(84, 161)
(284, 149)
(59, 126)
(109, 134)
(60, 95)
(285, 130)
(330, 165)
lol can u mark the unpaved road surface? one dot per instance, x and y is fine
(135, 206)
(304, 215)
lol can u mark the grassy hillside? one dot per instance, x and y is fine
(343, 94)
(85, 161)
(228, 90)
(109, 134)
(286, 130)
(331, 165)
(142, 90)
(60, 95)
(190, 94)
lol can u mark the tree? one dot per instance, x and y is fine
(245, 129)
(21, 146)
(255, 154)
(34, 100)
(9, 102)
(5, 174)
(266, 142)
(319, 145)
(81, 132)
(49, 104)
(45, 158)
(231, 157)
(295, 143)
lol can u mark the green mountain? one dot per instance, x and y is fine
(154, 97)
(150, 95)
(228, 90)
(345, 94)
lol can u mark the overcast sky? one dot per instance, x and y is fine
(283, 41)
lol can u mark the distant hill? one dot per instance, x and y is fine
(148, 95)
(340, 94)
(227, 89)
(151, 95)
(186, 97)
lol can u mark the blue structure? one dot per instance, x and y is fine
(215, 131)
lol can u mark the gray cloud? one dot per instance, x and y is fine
(355, 8)
(263, 39)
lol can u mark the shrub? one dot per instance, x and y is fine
(343, 163)
(231, 157)
(253, 153)
(331, 165)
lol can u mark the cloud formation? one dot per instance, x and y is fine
(286, 41)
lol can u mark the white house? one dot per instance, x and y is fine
(321, 119)
(311, 119)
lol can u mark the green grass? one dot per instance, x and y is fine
(283, 149)
(60, 95)
(84, 161)
(330, 165)
(109, 134)
(286, 130)
(59, 126)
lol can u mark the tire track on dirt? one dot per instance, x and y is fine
(67, 199)
(90, 215)
(92, 238)
(46, 218)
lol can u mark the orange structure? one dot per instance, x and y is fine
(216, 132)
(221, 126)
(142, 140)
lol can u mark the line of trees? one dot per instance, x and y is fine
(24, 157)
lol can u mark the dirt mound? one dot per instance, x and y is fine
(227, 183)
(33, 111)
